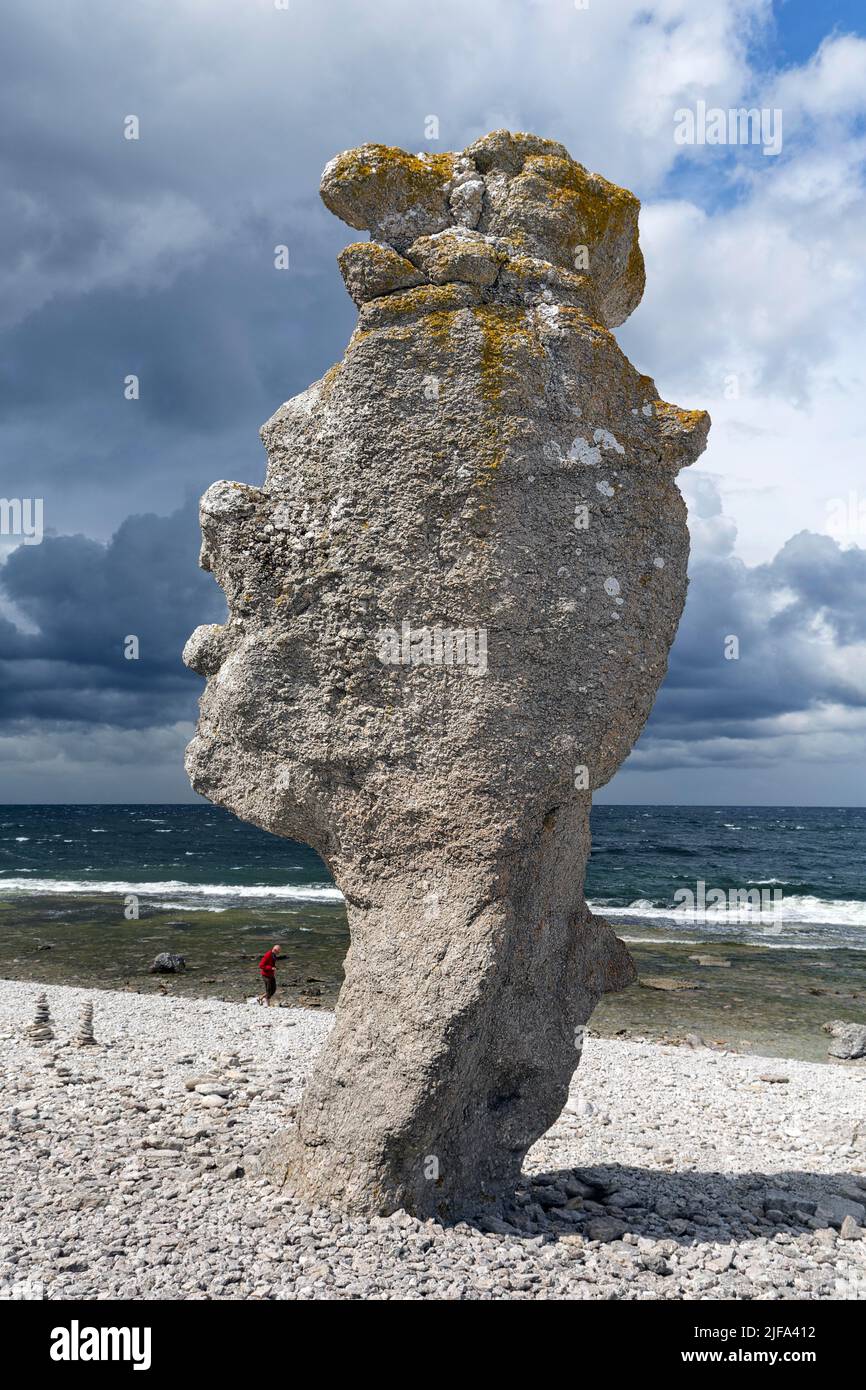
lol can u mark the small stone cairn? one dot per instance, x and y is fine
(84, 1037)
(41, 1030)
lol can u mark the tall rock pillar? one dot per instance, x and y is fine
(450, 609)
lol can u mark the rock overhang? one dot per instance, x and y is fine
(507, 199)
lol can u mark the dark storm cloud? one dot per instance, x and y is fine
(826, 583)
(797, 620)
(215, 353)
(83, 599)
(155, 257)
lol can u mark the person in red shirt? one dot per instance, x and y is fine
(268, 972)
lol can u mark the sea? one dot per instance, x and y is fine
(90, 894)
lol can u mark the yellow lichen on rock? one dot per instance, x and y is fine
(682, 433)
(378, 187)
(329, 380)
(503, 330)
(457, 217)
(424, 301)
(370, 270)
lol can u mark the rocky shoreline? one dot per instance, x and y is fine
(128, 1169)
(746, 998)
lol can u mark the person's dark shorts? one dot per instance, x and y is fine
(270, 984)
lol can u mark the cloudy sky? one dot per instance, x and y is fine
(154, 257)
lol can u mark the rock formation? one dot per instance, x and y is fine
(84, 1036)
(41, 1029)
(848, 1040)
(167, 963)
(449, 611)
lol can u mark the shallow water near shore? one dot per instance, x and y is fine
(88, 943)
(219, 892)
(770, 1002)
(766, 1002)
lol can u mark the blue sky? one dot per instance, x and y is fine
(155, 257)
(801, 25)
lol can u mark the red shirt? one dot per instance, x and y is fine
(267, 964)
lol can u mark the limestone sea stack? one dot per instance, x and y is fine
(449, 610)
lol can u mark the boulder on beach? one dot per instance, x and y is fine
(167, 963)
(848, 1040)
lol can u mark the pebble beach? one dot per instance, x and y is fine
(130, 1169)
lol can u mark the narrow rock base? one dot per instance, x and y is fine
(429, 1100)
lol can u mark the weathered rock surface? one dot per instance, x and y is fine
(450, 607)
(848, 1040)
(370, 270)
(167, 963)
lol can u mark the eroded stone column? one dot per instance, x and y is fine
(450, 608)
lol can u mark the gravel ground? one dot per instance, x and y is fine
(673, 1172)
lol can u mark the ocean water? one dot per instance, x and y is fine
(803, 869)
(175, 856)
(90, 894)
